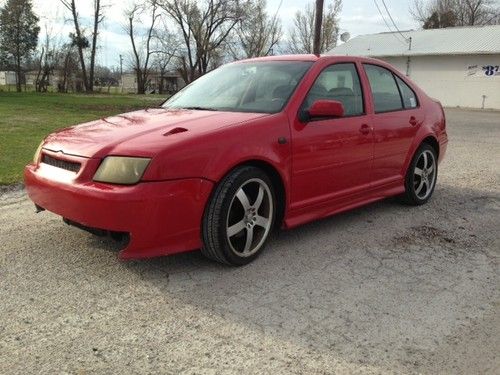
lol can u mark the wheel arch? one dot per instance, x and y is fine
(433, 142)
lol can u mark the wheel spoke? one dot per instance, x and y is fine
(425, 159)
(248, 243)
(235, 228)
(262, 221)
(243, 199)
(258, 200)
(418, 171)
(431, 168)
(420, 186)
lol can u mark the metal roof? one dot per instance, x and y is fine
(448, 41)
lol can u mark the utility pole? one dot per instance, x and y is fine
(317, 27)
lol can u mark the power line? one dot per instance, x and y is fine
(392, 20)
(387, 24)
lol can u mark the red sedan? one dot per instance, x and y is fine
(260, 143)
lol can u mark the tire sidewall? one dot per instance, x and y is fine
(243, 174)
(410, 177)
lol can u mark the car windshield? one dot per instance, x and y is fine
(263, 87)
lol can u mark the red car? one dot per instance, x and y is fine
(255, 144)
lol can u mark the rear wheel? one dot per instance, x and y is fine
(421, 176)
(239, 217)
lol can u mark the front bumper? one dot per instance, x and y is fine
(162, 218)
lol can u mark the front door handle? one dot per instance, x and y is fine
(364, 129)
(413, 121)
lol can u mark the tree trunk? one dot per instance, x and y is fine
(94, 45)
(18, 73)
(80, 47)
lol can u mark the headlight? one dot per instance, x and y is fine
(121, 170)
(37, 153)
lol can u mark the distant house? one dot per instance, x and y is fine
(7, 78)
(168, 83)
(460, 66)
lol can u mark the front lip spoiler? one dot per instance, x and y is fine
(117, 236)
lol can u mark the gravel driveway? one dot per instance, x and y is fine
(382, 289)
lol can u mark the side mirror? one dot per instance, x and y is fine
(326, 108)
(323, 108)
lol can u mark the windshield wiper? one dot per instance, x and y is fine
(201, 108)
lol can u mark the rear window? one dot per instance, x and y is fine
(409, 97)
(385, 91)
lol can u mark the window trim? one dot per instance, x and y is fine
(394, 75)
(364, 113)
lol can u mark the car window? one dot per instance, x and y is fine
(385, 92)
(338, 82)
(409, 97)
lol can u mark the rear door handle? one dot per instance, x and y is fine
(365, 129)
(413, 121)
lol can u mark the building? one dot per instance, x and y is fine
(460, 66)
(169, 83)
(7, 78)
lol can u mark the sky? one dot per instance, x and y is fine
(357, 17)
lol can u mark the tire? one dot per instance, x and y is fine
(421, 176)
(239, 217)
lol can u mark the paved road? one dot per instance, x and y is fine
(382, 289)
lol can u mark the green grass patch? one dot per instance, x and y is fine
(26, 118)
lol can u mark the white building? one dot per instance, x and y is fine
(7, 78)
(460, 66)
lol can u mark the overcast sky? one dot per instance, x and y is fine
(357, 17)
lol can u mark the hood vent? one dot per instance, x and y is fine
(175, 131)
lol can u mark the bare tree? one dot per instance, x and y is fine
(47, 60)
(302, 33)
(436, 14)
(204, 27)
(166, 46)
(81, 41)
(142, 53)
(258, 33)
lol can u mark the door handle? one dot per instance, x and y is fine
(365, 129)
(413, 121)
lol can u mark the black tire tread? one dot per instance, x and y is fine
(212, 218)
(408, 197)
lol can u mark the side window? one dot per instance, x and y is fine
(385, 92)
(338, 82)
(409, 97)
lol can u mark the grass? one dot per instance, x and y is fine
(26, 118)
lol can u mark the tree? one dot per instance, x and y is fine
(204, 27)
(18, 34)
(302, 33)
(437, 14)
(257, 33)
(80, 41)
(142, 53)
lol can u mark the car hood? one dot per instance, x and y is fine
(99, 138)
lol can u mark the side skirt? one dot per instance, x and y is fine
(340, 204)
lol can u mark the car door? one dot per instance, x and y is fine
(395, 122)
(331, 156)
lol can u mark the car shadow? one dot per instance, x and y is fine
(358, 285)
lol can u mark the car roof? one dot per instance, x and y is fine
(312, 58)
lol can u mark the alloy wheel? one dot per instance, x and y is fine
(424, 174)
(249, 218)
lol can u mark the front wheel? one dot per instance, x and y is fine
(421, 176)
(239, 217)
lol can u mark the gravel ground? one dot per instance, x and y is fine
(381, 289)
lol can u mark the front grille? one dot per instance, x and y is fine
(63, 164)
